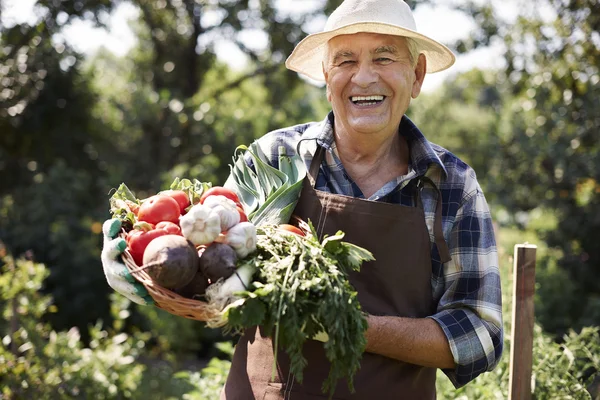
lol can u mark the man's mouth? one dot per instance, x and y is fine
(367, 100)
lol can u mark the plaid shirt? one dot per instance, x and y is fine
(465, 289)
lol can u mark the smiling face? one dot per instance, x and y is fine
(370, 82)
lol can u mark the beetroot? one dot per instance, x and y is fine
(196, 288)
(218, 261)
(171, 261)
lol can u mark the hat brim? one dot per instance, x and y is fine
(307, 56)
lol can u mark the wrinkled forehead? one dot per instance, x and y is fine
(360, 42)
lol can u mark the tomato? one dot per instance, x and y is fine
(180, 197)
(291, 228)
(137, 241)
(243, 217)
(170, 227)
(219, 190)
(159, 208)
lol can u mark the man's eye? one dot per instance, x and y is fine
(346, 62)
(384, 60)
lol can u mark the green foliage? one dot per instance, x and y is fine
(301, 289)
(208, 383)
(530, 132)
(38, 362)
(559, 370)
(547, 148)
(176, 339)
(55, 219)
(565, 369)
(467, 109)
(562, 370)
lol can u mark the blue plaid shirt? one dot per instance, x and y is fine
(465, 289)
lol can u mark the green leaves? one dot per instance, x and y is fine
(194, 188)
(269, 195)
(119, 207)
(302, 289)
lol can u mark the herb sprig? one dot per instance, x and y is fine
(302, 289)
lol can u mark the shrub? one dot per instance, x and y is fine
(37, 362)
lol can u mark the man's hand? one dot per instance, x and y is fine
(116, 272)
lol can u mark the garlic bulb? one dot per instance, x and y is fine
(242, 238)
(226, 209)
(201, 225)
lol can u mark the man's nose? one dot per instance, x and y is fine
(365, 74)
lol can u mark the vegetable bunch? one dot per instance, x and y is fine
(187, 237)
(301, 289)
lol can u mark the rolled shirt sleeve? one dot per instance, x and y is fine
(470, 309)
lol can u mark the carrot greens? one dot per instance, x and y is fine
(300, 289)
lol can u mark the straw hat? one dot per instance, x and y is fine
(389, 17)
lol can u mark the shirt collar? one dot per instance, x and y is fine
(422, 154)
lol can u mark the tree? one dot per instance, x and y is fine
(69, 134)
(49, 168)
(547, 154)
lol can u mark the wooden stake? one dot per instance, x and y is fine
(521, 349)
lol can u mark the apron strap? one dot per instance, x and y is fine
(438, 232)
(313, 171)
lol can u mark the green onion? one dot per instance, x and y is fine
(269, 195)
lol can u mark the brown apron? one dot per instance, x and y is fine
(397, 283)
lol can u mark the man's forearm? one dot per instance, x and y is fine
(418, 341)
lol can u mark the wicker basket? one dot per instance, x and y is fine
(168, 300)
(179, 305)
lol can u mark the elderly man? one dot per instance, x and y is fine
(433, 294)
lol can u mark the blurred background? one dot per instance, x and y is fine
(98, 92)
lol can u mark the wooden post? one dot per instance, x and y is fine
(521, 349)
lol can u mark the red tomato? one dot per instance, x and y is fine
(159, 208)
(180, 197)
(137, 241)
(243, 217)
(291, 228)
(170, 227)
(219, 190)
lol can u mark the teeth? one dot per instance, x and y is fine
(367, 98)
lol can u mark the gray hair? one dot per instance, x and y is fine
(413, 51)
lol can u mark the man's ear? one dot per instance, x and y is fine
(420, 71)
